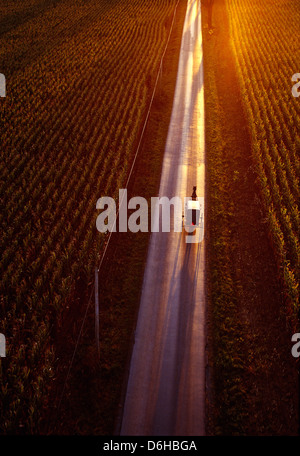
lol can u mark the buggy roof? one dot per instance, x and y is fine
(193, 205)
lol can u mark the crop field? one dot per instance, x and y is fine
(79, 79)
(265, 41)
(252, 139)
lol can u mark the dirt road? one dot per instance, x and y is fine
(166, 386)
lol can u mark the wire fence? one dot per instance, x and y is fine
(94, 289)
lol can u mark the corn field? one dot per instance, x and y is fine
(79, 78)
(265, 40)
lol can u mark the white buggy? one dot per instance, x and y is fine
(193, 215)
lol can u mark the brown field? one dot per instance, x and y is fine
(252, 308)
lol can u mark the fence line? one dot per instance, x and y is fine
(109, 238)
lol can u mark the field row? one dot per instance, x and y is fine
(69, 128)
(266, 60)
